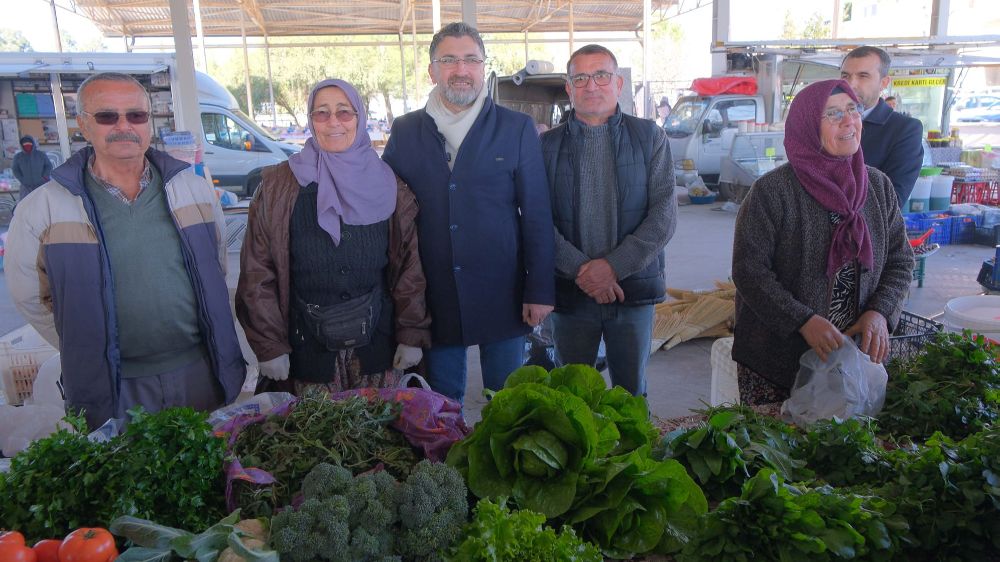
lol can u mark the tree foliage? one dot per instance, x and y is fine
(12, 40)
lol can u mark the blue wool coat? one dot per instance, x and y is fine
(890, 142)
(485, 227)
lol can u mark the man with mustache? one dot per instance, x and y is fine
(119, 262)
(485, 227)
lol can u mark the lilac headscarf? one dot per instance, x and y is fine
(355, 186)
(839, 184)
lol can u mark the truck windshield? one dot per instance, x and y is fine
(684, 117)
(250, 123)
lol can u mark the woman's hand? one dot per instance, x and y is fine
(822, 336)
(406, 356)
(874, 335)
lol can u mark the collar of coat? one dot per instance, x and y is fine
(70, 173)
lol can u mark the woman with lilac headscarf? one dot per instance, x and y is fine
(820, 249)
(332, 233)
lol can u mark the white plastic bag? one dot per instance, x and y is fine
(846, 385)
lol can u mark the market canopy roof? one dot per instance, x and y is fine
(151, 18)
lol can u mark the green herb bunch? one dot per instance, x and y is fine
(497, 534)
(771, 520)
(952, 387)
(353, 433)
(166, 466)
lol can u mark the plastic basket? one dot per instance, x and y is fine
(963, 229)
(19, 367)
(919, 223)
(910, 336)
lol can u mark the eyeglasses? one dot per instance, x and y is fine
(835, 116)
(112, 117)
(452, 62)
(342, 115)
(601, 78)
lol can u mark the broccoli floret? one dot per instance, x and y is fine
(433, 506)
(318, 530)
(326, 480)
(373, 500)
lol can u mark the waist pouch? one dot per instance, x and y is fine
(344, 325)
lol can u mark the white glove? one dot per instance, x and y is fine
(406, 356)
(276, 369)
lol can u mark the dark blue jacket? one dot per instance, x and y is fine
(633, 148)
(31, 169)
(890, 142)
(485, 227)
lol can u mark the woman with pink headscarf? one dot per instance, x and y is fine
(820, 249)
(331, 290)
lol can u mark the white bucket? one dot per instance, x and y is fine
(979, 313)
(920, 197)
(941, 192)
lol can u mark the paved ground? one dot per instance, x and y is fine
(700, 252)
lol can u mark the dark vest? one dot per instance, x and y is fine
(323, 273)
(632, 139)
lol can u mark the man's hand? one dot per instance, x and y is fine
(822, 336)
(533, 314)
(597, 279)
(874, 335)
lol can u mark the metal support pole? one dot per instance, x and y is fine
(469, 12)
(720, 34)
(55, 81)
(55, 26)
(402, 73)
(246, 66)
(571, 26)
(939, 17)
(435, 15)
(416, 70)
(270, 81)
(196, 8)
(526, 57)
(647, 97)
(183, 85)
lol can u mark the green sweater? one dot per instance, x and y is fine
(155, 305)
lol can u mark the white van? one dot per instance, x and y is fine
(236, 148)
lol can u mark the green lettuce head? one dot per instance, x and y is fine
(531, 445)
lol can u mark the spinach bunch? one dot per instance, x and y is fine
(950, 494)
(845, 452)
(731, 446)
(952, 387)
(771, 520)
(166, 465)
(353, 433)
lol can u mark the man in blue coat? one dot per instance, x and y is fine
(485, 224)
(890, 141)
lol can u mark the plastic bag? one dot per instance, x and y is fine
(846, 385)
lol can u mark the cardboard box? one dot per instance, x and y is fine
(33, 127)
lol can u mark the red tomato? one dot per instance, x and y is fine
(89, 544)
(12, 537)
(47, 550)
(10, 551)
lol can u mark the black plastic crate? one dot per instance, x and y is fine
(910, 336)
(963, 229)
(987, 235)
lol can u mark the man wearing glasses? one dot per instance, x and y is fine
(119, 262)
(614, 211)
(485, 227)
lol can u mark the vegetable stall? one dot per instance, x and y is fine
(561, 467)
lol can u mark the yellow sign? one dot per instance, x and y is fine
(919, 82)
